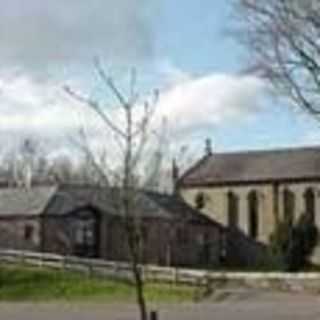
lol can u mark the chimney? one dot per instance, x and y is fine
(208, 147)
(175, 175)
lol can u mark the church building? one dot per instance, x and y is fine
(253, 190)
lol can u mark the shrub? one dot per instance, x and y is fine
(291, 246)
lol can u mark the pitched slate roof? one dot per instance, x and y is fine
(68, 198)
(254, 166)
(16, 201)
(65, 199)
(178, 208)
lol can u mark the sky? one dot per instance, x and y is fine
(179, 47)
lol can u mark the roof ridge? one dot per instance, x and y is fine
(50, 199)
(271, 150)
(255, 165)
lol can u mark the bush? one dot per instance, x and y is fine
(291, 246)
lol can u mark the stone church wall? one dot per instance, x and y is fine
(271, 204)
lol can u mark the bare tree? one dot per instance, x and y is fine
(62, 169)
(25, 163)
(125, 170)
(283, 40)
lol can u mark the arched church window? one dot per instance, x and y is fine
(253, 214)
(288, 206)
(199, 200)
(233, 210)
(309, 198)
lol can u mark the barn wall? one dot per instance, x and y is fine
(13, 233)
(167, 243)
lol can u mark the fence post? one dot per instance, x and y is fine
(143, 272)
(176, 275)
(153, 315)
(90, 269)
(41, 260)
(114, 269)
(22, 260)
(64, 263)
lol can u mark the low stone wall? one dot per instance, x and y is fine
(295, 282)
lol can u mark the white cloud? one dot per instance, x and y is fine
(191, 105)
(209, 101)
(170, 74)
(28, 105)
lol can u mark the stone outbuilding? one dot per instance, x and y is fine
(83, 220)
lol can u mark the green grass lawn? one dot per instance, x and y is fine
(43, 285)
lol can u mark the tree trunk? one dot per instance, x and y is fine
(139, 293)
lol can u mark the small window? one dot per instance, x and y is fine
(89, 236)
(199, 200)
(79, 235)
(28, 232)
(84, 233)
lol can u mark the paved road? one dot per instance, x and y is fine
(241, 306)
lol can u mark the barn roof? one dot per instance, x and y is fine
(65, 199)
(177, 208)
(295, 164)
(16, 201)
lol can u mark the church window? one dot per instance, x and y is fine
(253, 213)
(288, 206)
(199, 200)
(309, 198)
(233, 210)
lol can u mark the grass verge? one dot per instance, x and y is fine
(19, 283)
